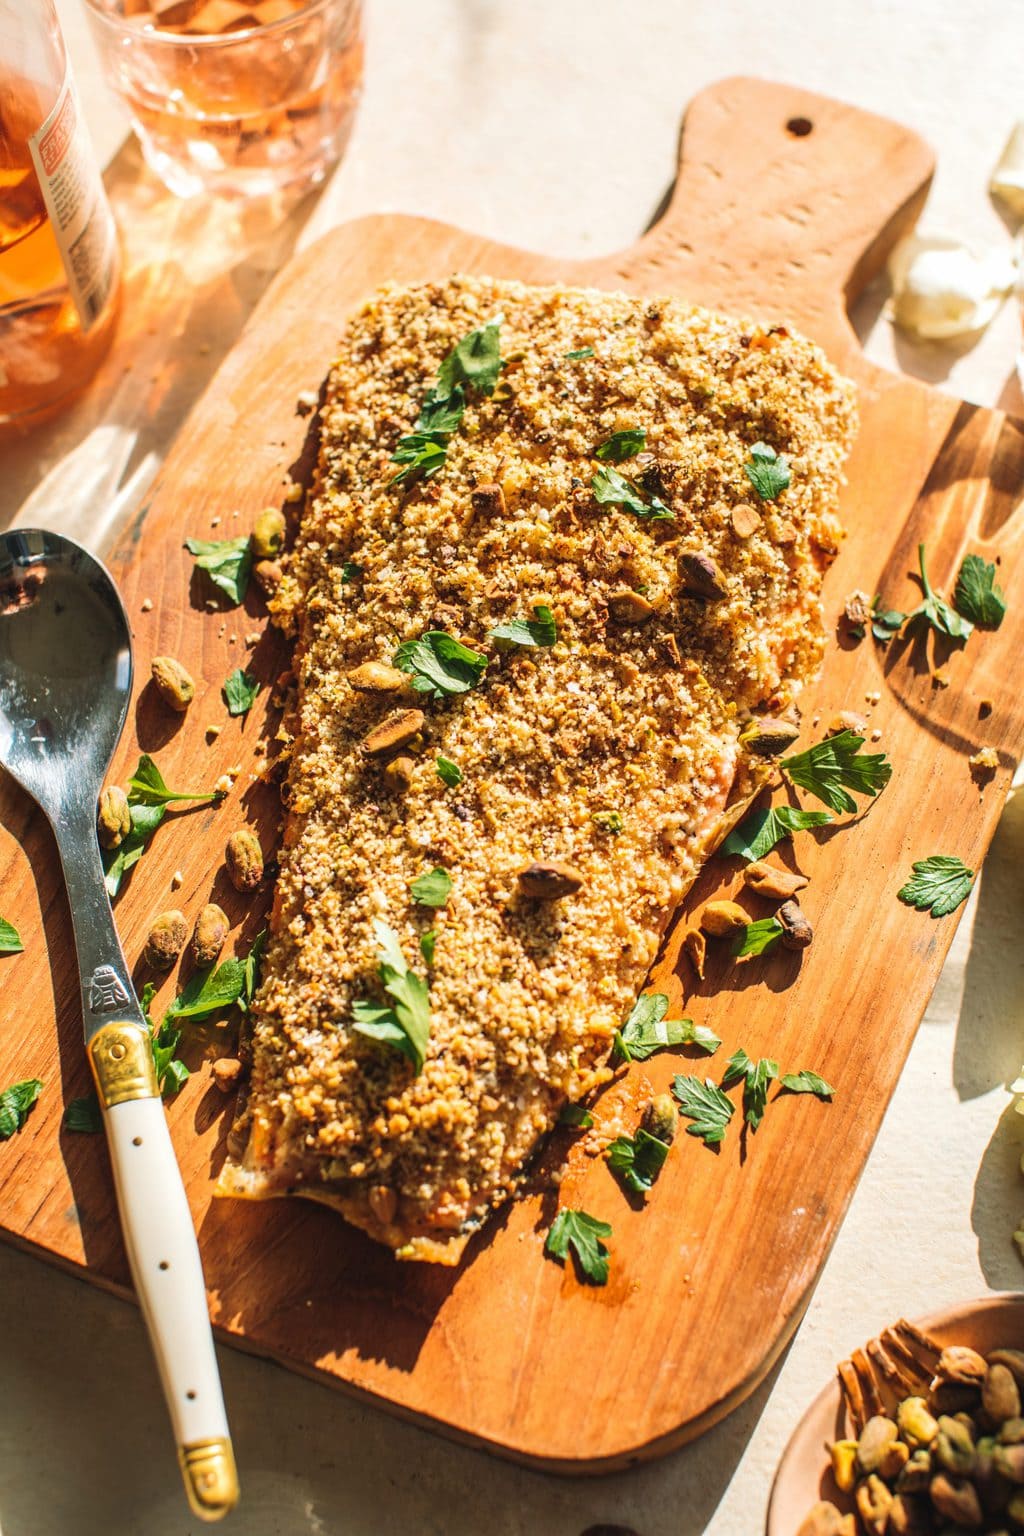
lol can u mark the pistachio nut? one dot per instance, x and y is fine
(797, 931)
(952, 1397)
(695, 948)
(549, 880)
(894, 1459)
(1000, 1395)
(1012, 1432)
(113, 817)
(660, 1118)
(721, 918)
(244, 858)
(488, 501)
(961, 1365)
(823, 1520)
(629, 607)
(702, 575)
(172, 682)
(874, 1502)
(878, 1433)
(955, 1499)
(226, 1072)
(745, 519)
(268, 534)
(398, 773)
(770, 881)
(398, 730)
(768, 737)
(268, 575)
(165, 940)
(209, 934)
(954, 1447)
(1015, 1508)
(843, 1456)
(1008, 1461)
(909, 1516)
(1013, 1359)
(916, 1474)
(917, 1426)
(376, 677)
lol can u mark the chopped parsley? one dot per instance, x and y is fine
(756, 1077)
(227, 562)
(637, 1160)
(575, 1115)
(350, 572)
(622, 445)
(833, 767)
(10, 939)
(209, 992)
(420, 455)
(758, 833)
(240, 692)
(608, 821)
(579, 354)
(148, 799)
(147, 787)
(448, 772)
(439, 664)
(706, 1105)
(767, 473)
(473, 363)
(584, 1234)
(84, 1115)
(935, 611)
(647, 1030)
(885, 622)
(171, 1073)
(976, 595)
(611, 488)
(15, 1103)
(251, 966)
(405, 1024)
(806, 1082)
(428, 943)
(539, 631)
(432, 889)
(757, 938)
(939, 884)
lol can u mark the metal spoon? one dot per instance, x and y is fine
(65, 685)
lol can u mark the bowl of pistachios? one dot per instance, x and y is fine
(921, 1433)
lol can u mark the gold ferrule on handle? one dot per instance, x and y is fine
(122, 1063)
(211, 1480)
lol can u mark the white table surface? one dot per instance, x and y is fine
(553, 124)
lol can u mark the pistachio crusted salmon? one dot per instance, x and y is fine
(626, 525)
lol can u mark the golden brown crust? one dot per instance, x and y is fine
(639, 719)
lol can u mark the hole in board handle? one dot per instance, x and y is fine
(136, 1141)
(164, 1264)
(799, 127)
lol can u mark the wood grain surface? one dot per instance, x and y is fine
(785, 205)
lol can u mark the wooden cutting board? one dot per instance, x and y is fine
(786, 205)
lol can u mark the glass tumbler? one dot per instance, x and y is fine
(233, 98)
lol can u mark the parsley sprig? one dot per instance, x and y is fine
(648, 1030)
(705, 1105)
(15, 1103)
(935, 612)
(432, 888)
(240, 692)
(637, 1160)
(622, 445)
(538, 632)
(756, 1077)
(148, 800)
(405, 1024)
(939, 884)
(976, 594)
(758, 937)
(833, 767)
(767, 472)
(439, 664)
(473, 363)
(758, 832)
(227, 562)
(611, 488)
(584, 1235)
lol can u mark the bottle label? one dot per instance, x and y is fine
(76, 201)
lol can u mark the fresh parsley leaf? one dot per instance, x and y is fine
(227, 562)
(939, 884)
(84, 1115)
(146, 1003)
(579, 354)
(10, 939)
(936, 611)
(758, 832)
(757, 938)
(885, 622)
(147, 787)
(15, 1103)
(976, 595)
(448, 772)
(756, 1077)
(832, 767)
(171, 1074)
(240, 692)
(350, 572)
(439, 664)
(806, 1082)
(583, 1233)
(637, 1160)
(611, 488)
(406, 1024)
(706, 1105)
(422, 456)
(209, 992)
(541, 630)
(622, 445)
(575, 1115)
(432, 889)
(442, 413)
(475, 361)
(608, 821)
(428, 943)
(251, 966)
(118, 861)
(767, 473)
(647, 1030)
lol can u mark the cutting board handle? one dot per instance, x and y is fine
(786, 205)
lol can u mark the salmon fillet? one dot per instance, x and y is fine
(631, 719)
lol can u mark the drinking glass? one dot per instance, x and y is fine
(235, 98)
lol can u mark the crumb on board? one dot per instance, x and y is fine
(213, 731)
(941, 678)
(306, 401)
(177, 880)
(292, 491)
(874, 697)
(985, 708)
(984, 763)
(147, 605)
(876, 734)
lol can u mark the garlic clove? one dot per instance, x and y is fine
(942, 288)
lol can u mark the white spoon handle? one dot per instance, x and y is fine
(164, 1256)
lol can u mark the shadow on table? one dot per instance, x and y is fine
(194, 270)
(997, 1207)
